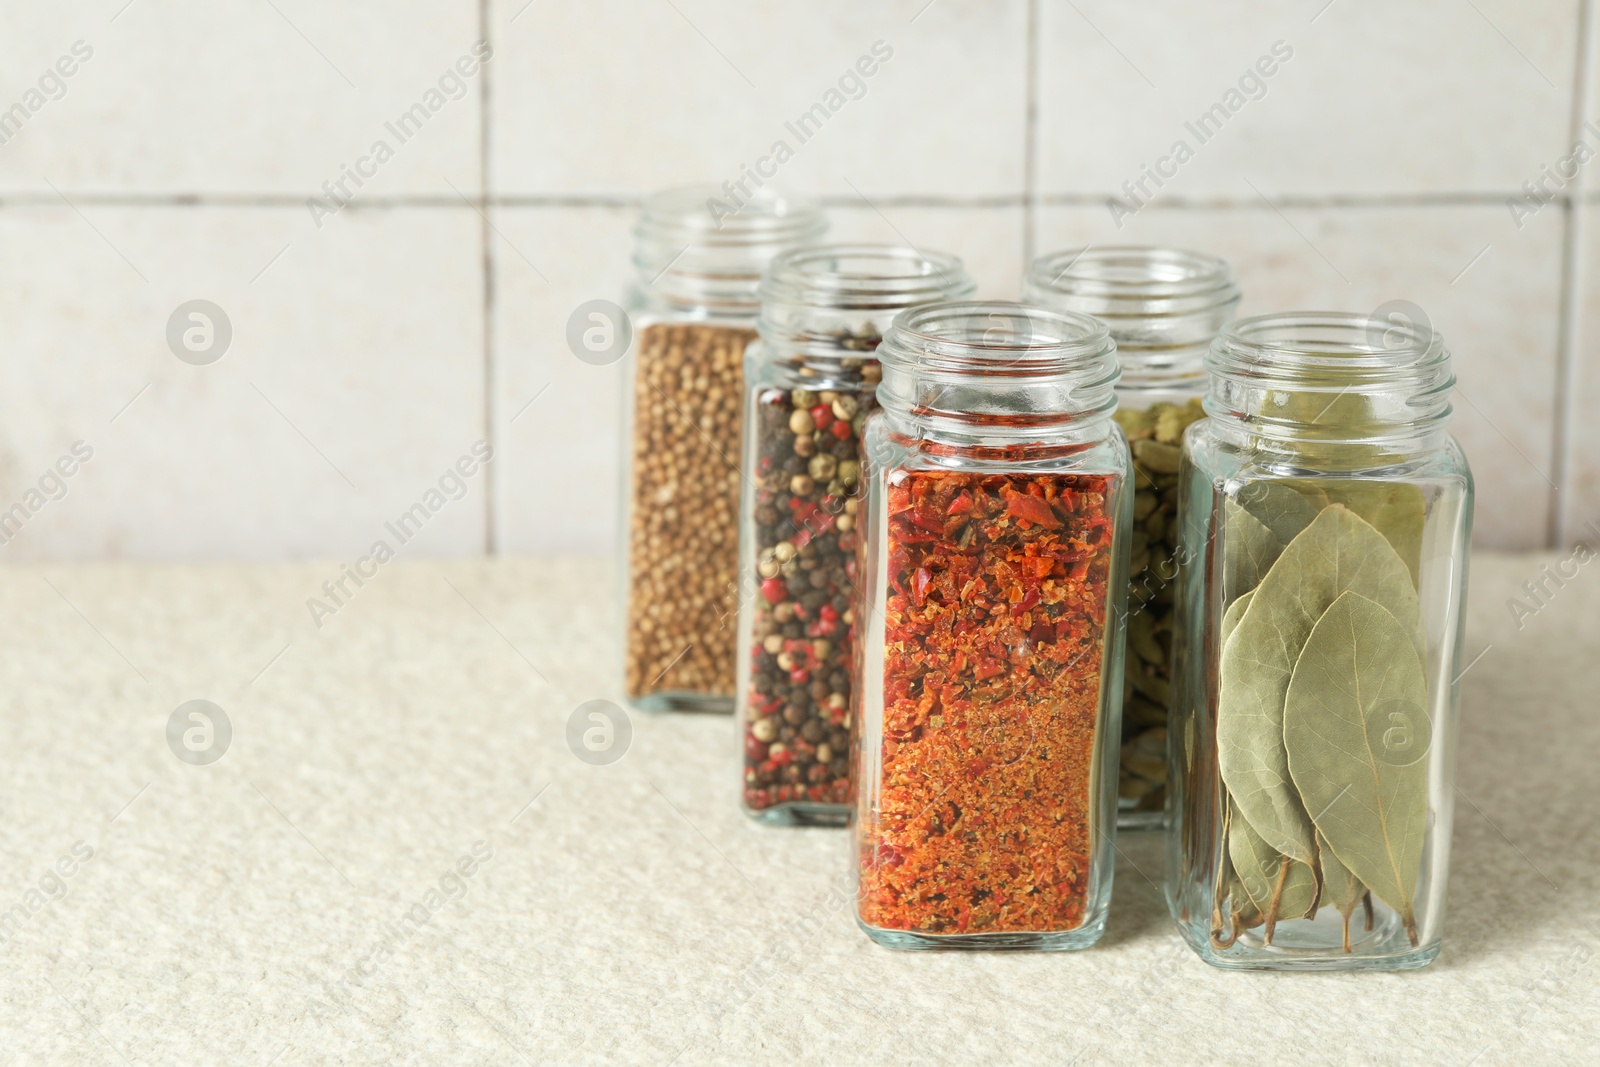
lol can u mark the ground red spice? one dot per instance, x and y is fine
(994, 636)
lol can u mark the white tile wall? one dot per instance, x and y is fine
(353, 380)
(560, 455)
(194, 96)
(1425, 96)
(368, 353)
(619, 97)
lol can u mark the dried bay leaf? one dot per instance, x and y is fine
(1221, 886)
(1333, 406)
(1338, 552)
(1249, 548)
(1357, 734)
(1277, 893)
(1395, 509)
(1235, 612)
(1282, 506)
(1341, 890)
(1244, 913)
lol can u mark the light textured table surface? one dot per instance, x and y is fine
(629, 913)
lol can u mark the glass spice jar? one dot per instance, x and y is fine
(1325, 515)
(989, 620)
(1163, 307)
(810, 383)
(693, 303)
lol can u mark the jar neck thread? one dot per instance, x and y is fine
(829, 305)
(1331, 387)
(1163, 306)
(697, 258)
(999, 373)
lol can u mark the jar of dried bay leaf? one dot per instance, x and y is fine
(698, 260)
(1324, 524)
(1164, 306)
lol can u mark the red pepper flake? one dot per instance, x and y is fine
(1031, 508)
(993, 641)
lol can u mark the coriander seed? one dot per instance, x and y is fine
(693, 306)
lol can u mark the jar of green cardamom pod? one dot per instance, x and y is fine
(1323, 531)
(1163, 306)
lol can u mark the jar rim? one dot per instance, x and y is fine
(987, 336)
(1153, 279)
(709, 217)
(864, 276)
(700, 252)
(1000, 370)
(1330, 350)
(1373, 380)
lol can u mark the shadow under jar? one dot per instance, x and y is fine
(993, 588)
(1163, 306)
(1324, 529)
(693, 303)
(811, 382)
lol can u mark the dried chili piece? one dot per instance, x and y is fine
(994, 632)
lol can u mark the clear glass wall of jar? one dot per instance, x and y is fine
(989, 621)
(810, 384)
(1164, 306)
(1324, 526)
(698, 261)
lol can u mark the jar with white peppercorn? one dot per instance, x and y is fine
(698, 261)
(811, 380)
(1163, 307)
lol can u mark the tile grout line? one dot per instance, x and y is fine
(492, 490)
(1030, 137)
(375, 202)
(1570, 329)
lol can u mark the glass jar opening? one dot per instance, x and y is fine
(704, 247)
(712, 218)
(1135, 280)
(828, 305)
(998, 338)
(1329, 376)
(1012, 369)
(867, 277)
(1163, 306)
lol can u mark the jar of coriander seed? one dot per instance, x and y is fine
(810, 382)
(1324, 520)
(1163, 307)
(698, 260)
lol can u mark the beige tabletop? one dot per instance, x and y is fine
(399, 859)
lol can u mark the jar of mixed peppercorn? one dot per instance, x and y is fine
(1163, 307)
(989, 621)
(811, 380)
(698, 262)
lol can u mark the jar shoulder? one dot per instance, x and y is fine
(1221, 456)
(891, 443)
(763, 370)
(645, 310)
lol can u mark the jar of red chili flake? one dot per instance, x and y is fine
(810, 381)
(989, 651)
